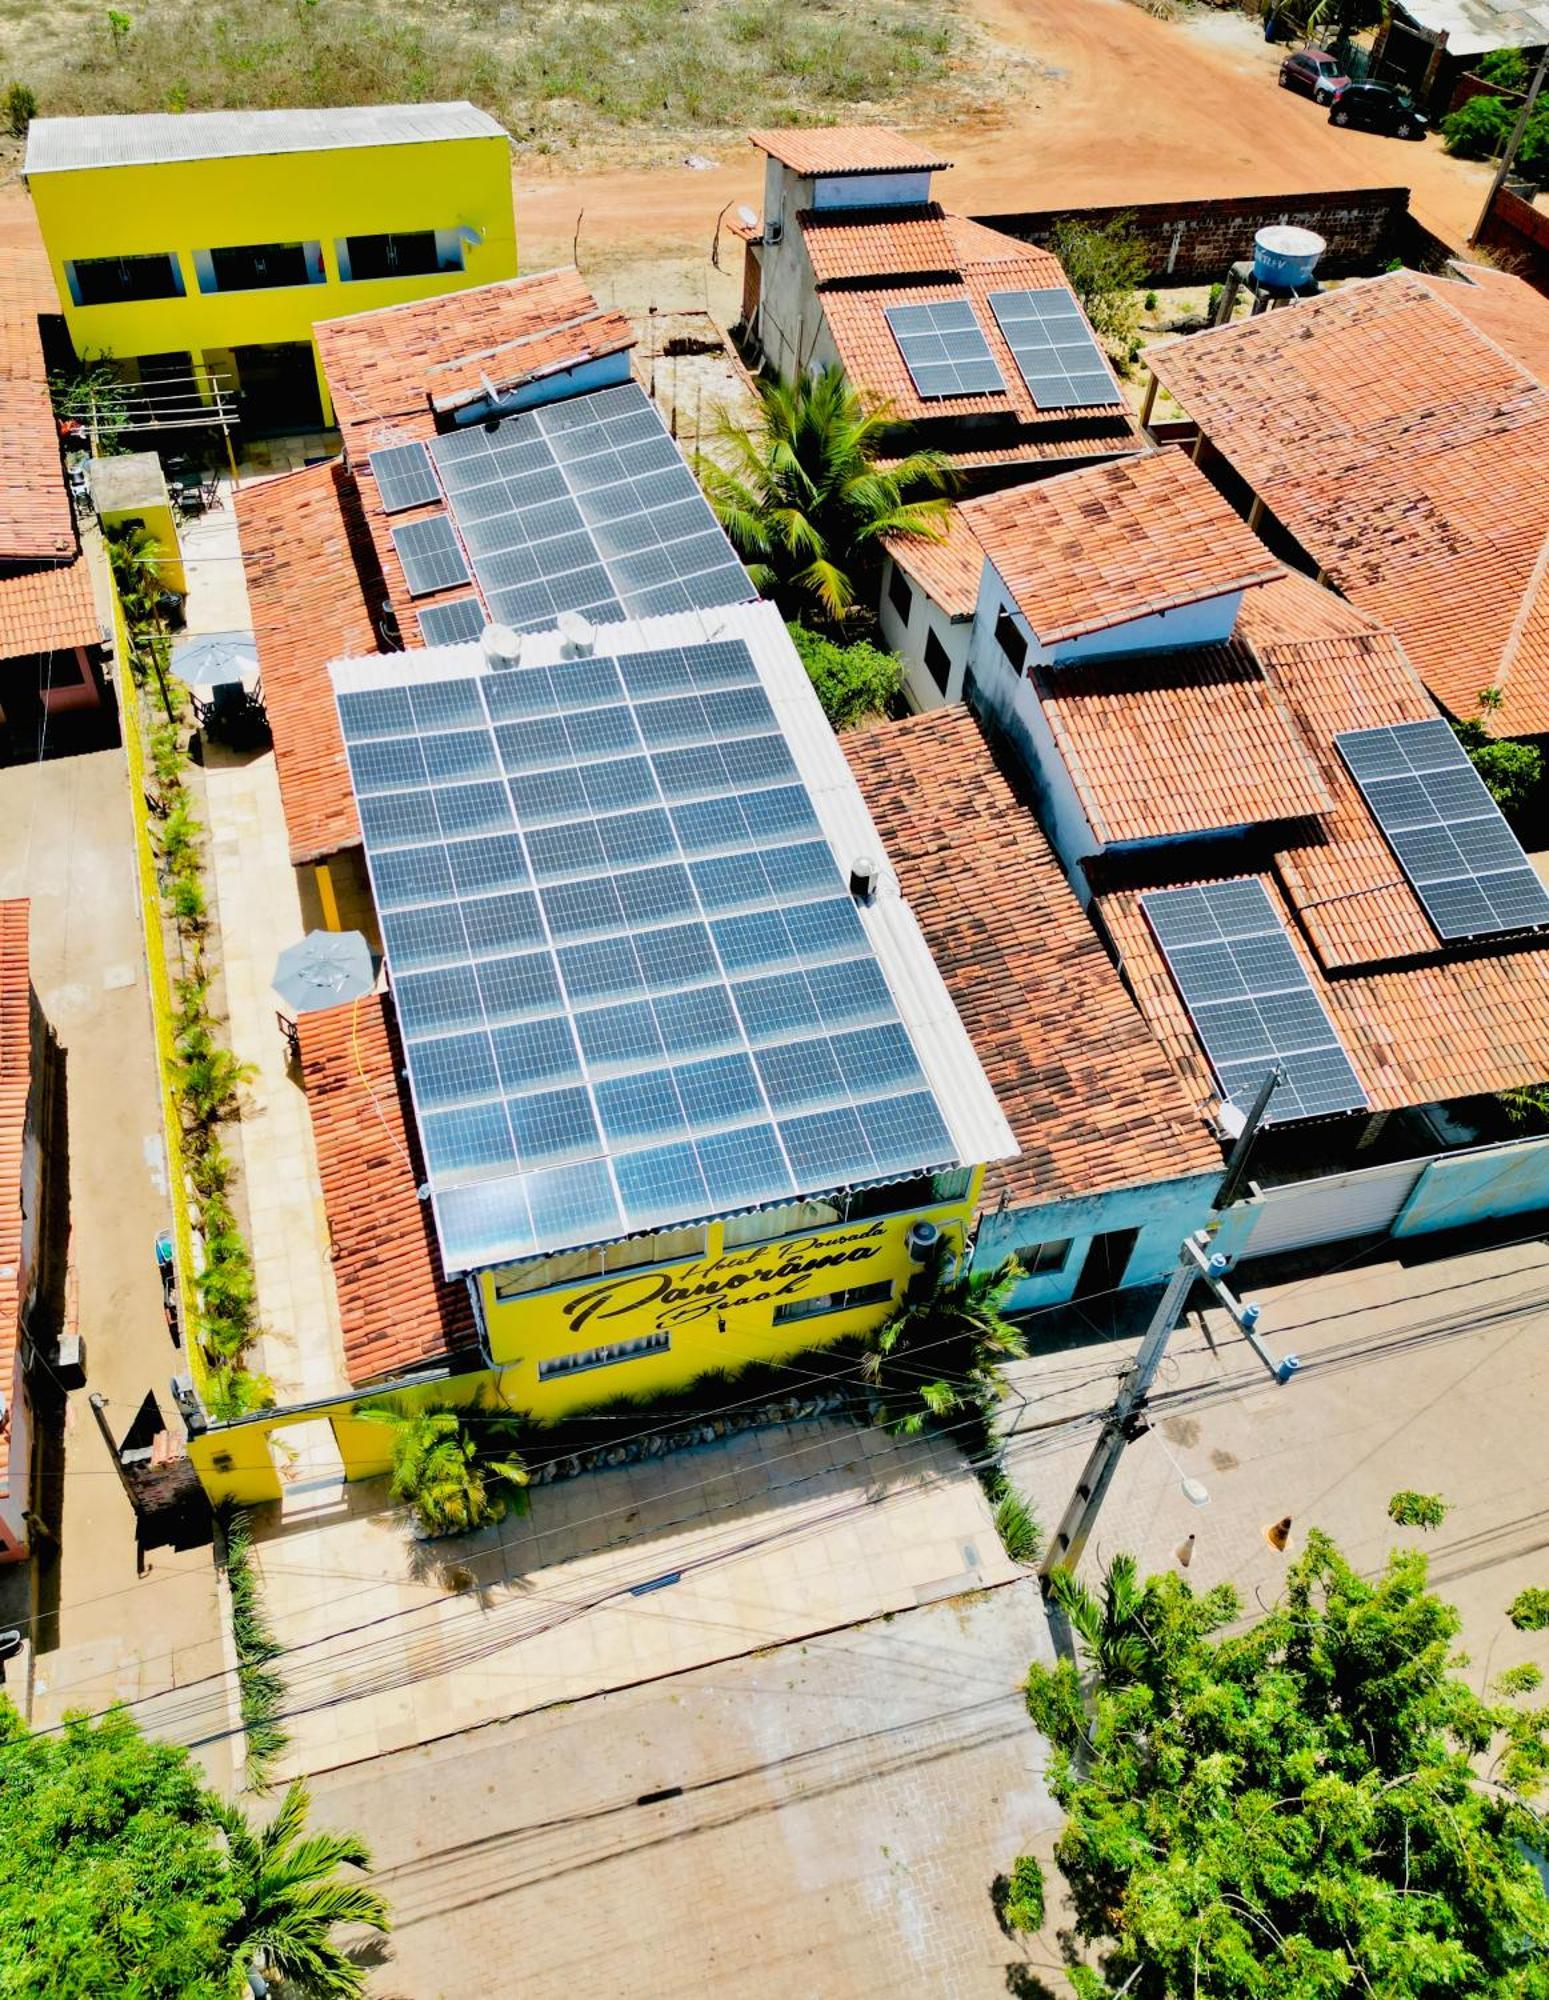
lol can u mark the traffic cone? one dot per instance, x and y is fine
(1279, 1535)
(1185, 1553)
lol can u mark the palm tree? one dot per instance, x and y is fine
(293, 1901)
(805, 499)
(955, 1318)
(453, 1476)
(1110, 1627)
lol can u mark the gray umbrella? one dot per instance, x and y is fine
(215, 659)
(327, 967)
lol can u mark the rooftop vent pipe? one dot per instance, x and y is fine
(501, 646)
(577, 636)
(864, 876)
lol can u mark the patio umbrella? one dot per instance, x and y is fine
(327, 967)
(215, 659)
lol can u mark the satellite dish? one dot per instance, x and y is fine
(746, 216)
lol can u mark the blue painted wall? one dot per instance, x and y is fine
(1163, 1211)
(1482, 1186)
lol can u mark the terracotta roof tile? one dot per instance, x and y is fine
(947, 569)
(845, 244)
(847, 149)
(1504, 308)
(36, 519)
(511, 363)
(1091, 1100)
(1408, 453)
(312, 585)
(15, 1087)
(1167, 744)
(46, 609)
(1099, 547)
(396, 1310)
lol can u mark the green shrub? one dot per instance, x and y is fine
(1106, 267)
(260, 1688)
(1512, 772)
(854, 683)
(1478, 129)
(1529, 1610)
(21, 107)
(1022, 1906)
(1508, 68)
(1418, 1510)
(1021, 1534)
(455, 1468)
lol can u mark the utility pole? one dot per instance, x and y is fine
(1508, 158)
(1126, 1420)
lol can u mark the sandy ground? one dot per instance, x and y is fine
(1126, 108)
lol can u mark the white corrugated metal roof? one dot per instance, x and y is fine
(69, 145)
(967, 1103)
(1474, 27)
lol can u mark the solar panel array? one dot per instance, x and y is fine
(587, 506)
(431, 557)
(633, 988)
(1462, 859)
(1251, 1001)
(404, 477)
(1053, 348)
(944, 349)
(452, 623)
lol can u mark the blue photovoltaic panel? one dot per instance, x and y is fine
(1462, 859)
(453, 623)
(632, 985)
(404, 477)
(945, 350)
(1251, 1001)
(586, 505)
(430, 555)
(1053, 348)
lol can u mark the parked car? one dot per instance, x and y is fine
(1378, 107)
(1315, 73)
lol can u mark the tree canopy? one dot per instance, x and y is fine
(122, 1874)
(1317, 1805)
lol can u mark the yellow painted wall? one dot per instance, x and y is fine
(160, 523)
(188, 205)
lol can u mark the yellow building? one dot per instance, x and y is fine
(209, 244)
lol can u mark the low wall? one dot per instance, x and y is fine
(1197, 242)
(1517, 237)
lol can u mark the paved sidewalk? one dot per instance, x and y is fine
(836, 1813)
(613, 1579)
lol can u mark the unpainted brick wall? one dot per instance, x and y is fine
(1517, 237)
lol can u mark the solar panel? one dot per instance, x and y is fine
(1053, 348)
(1251, 1002)
(453, 623)
(404, 477)
(1462, 859)
(625, 1036)
(945, 350)
(430, 555)
(585, 505)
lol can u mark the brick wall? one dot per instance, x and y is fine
(1517, 237)
(1196, 242)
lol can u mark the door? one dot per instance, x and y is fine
(279, 389)
(1106, 1262)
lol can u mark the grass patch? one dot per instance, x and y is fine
(561, 77)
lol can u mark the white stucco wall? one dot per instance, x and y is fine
(907, 639)
(1209, 623)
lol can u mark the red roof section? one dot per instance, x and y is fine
(947, 568)
(312, 586)
(1407, 451)
(848, 243)
(1112, 543)
(1091, 1099)
(43, 610)
(36, 520)
(847, 149)
(1505, 309)
(396, 1310)
(15, 1087)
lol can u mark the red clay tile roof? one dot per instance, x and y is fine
(47, 609)
(1090, 1098)
(948, 569)
(847, 149)
(1505, 309)
(36, 520)
(311, 583)
(396, 1309)
(1416, 1034)
(510, 363)
(849, 243)
(1100, 547)
(15, 1087)
(378, 363)
(1408, 454)
(1167, 744)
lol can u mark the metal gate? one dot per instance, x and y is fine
(1302, 1213)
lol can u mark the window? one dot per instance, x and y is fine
(110, 281)
(899, 595)
(1037, 1259)
(415, 254)
(1010, 640)
(834, 1302)
(603, 1357)
(255, 267)
(938, 662)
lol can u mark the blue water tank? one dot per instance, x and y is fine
(1285, 256)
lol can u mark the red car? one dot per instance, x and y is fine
(1315, 73)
